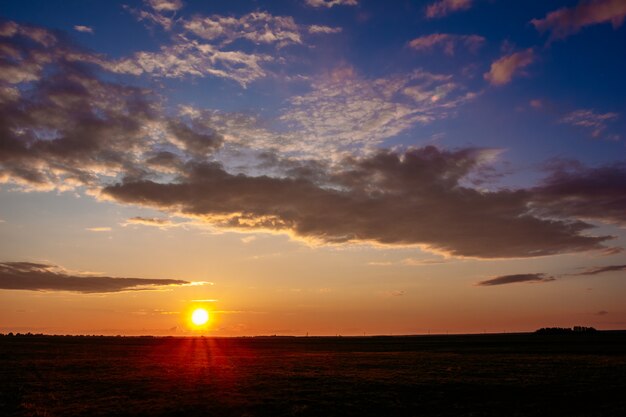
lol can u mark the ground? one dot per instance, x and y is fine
(473, 375)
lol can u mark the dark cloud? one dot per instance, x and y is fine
(61, 125)
(43, 277)
(602, 269)
(413, 198)
(516, 278)
(573, 190)
(194, 142)
(58, 122)
(602, 313)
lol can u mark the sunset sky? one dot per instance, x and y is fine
(312, 166)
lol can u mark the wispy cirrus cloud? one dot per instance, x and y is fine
(443, 8)
(45, 277)
(448, 42)
(505, 68)
(517, 278)
(257, 27)
(330, 3)
(586, 118)
(202, 45)
(347, 109)
(569, 20)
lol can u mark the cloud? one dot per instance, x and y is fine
(576, 191)
(344, 109)
(602, 270)
(193, 59)
(84, 29)
(517, 278)
(567, 21)
(443, 8)
(331, 3)
(419, 189)
(258, 27)
(596, 122)
(159, 222)
(323, 29)
(165, 5)
(73, 129)
(602, 313)
(70, 129)
(506, 67)
(212, 46)
(44, 277)
(99, 229)
(447, 41)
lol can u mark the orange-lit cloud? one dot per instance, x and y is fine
(505, 68)
(567, 21)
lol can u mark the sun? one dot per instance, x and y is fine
(199, 316)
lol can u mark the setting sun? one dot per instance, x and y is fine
(199, 317)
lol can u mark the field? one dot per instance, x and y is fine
(473, 375)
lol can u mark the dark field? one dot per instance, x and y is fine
(476, 375)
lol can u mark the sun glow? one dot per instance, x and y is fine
(199, 317)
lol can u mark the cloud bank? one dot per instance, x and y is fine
(420, 190)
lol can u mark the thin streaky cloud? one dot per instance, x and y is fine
(536, 278)
(330, 3)
(601, 270)
(45, 277)
(99, 229)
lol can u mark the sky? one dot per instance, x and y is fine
(322, 167)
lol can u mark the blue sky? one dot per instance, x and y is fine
(462, 131)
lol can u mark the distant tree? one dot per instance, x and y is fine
(565, 330)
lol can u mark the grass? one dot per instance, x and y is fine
(473, 375)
